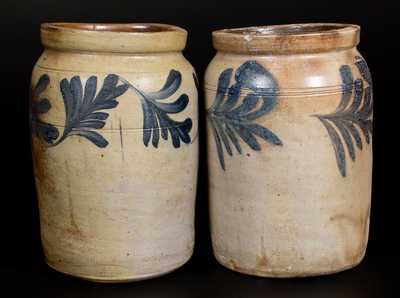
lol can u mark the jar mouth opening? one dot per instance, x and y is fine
(309, 37)
(114, 37)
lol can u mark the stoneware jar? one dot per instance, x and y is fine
(115, 149)
(289, 113)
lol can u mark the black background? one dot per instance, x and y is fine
(21, 266)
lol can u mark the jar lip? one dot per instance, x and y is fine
(289, 38)
(114, 37)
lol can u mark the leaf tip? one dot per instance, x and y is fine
(103, 144)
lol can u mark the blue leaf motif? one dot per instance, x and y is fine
(351, 118)
(48, 132)
(83, 107)
(231, 120)
(156, 119)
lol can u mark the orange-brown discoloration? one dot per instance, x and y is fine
(74, 229)
(40, 167)
(262, 262)
(232, 264)
(38, 155)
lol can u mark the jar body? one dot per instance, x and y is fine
(116, 191)
(294, 198)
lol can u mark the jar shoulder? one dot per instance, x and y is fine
(132, 92)
(294, 72)
(149, 73)
(59, 61)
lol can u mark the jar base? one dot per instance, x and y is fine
(123, 279)
(284, 274)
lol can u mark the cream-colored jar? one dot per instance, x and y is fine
(289, 113)
(115, 149)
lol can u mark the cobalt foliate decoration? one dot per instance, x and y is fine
(46, 131)
(84, 110)
(231, 120)
(156, 113)
(83, 107)
(353, 115)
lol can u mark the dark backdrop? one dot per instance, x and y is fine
(20, 250)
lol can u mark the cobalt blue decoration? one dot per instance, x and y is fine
(351, 118)
(231, 120)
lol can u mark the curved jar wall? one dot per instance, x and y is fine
(115, 148)
(289, 113)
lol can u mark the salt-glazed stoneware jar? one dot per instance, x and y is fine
(289, 113)
(115, 149)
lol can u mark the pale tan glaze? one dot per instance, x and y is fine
(124, 212)
(286, 211)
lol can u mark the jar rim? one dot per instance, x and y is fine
(113, 37)
(289, 38)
